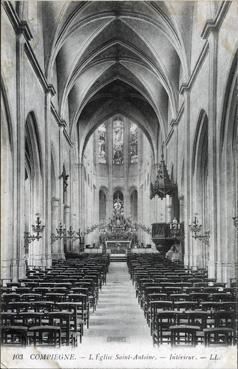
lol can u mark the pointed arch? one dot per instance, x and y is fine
(33, 186)
(32, 144)
(6, 108)
(200, 139)
(228, 173)
(7, 187)
(231, 89)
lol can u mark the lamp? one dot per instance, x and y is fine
(195, 227)
(36, 228)
(62, 233)
(70, 234)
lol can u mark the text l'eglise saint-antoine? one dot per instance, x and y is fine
(102, 357)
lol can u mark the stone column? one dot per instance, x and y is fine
(126, 167)
(168, 201)
(73, 193)
(96, 205)
(187, 182)
(140, 211)
(67, 242)
(46, 244)
(18, 265)
(74, 200)
(81, 209)
(74, 196)
(110, 174)
(55, 216)
(61, 194)
(212, 152)
(181, 209)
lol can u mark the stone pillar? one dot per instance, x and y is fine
(187, 182)
(110, 174)
(46, 244)
(7, 201)
(74, 196)
(74, 200)
(95, 207)
(181, 209)
(55, 216)
(212, 152)
(81, 209)
(67, 242)
(126, 167)
(18, 265)
(61, 189)
(75, 224)
(154, 210)
(140, 211)
(168, 201)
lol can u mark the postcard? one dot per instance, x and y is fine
(119, 178)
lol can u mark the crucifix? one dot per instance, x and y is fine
(65, 179)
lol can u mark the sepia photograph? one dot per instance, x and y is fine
(119, 184)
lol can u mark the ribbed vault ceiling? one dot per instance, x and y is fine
(116, 57)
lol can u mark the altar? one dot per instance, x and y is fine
(118, 234)
(118, 247)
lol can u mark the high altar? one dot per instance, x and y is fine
(119, 234)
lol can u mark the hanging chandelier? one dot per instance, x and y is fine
(162, 185)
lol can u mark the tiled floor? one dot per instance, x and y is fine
(118, 317)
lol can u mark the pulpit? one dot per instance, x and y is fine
(161, 237)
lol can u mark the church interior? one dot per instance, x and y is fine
(119, 172)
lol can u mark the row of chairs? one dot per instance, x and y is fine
(193, 326)
(182, 305)
(52, 306)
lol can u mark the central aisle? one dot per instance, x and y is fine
(118, 318)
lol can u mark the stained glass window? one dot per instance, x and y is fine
(102, 144)
(133, 145)
(118, 141)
